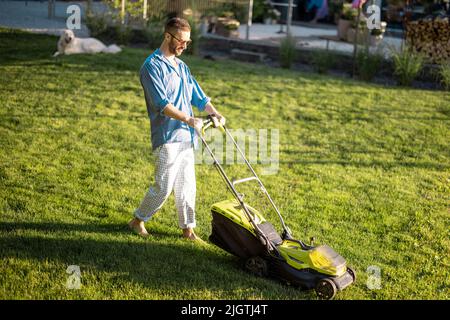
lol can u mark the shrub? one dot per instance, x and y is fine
(123, 33)
(238, 11)
(322, 61)
(97, 24)
(154, 33)
(444, 71)
(407, 65)
(195, 37)
(368, 64)
(287, 51)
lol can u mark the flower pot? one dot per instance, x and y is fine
(227, 27)
(343, 26)
(267, 21)
(376, 40)
(362, 36)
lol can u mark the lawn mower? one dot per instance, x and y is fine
(241, 230)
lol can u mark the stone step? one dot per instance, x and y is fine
(249, 56)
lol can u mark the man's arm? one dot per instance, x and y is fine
(210, 109)
(172, 112)
(201, 101)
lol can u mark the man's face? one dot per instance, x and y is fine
(179, 41)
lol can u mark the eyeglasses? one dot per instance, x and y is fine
(187, 42)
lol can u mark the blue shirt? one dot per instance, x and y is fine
(163, 84)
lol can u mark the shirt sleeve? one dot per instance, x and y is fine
(152, 82)
(199, 99)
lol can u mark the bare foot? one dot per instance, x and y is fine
(190, 235)
(138, 227)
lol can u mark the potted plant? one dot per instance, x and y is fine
(376, 35)
(348, 15)
(271, 16)
(227, 26)
(363, 32)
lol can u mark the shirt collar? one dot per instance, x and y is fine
(161, 57)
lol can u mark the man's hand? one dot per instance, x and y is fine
(219, 117)
(195, 123)
(213, 112)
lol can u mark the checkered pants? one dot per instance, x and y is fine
(174, 170)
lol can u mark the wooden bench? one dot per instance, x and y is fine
(331, 38)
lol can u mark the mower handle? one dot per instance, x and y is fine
(211, 120)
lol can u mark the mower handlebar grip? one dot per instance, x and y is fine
(211, 120)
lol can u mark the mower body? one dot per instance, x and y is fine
(293, 261)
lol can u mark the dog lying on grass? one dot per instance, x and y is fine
(68, 43)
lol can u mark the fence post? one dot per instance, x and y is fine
(289, 18)
(51, 9)
(89, 7)
(122, 12)
(145, 10)
(249, 19)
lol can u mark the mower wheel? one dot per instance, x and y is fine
(352, 273)
(257, 266)
(326, 289)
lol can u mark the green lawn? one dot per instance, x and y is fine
(363, 168)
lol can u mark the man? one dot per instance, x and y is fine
(170, 91)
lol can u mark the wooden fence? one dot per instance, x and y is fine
(149, 9)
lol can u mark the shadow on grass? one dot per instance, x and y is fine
(312, 157)
(372, 164)
(7, 119)
(17, 45)
(161, 267)
(47, 227)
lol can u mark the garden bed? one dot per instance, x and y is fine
(342, 63)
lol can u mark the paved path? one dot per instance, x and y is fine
(308, 37)
(33, 16)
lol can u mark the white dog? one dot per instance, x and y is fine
(69, 44)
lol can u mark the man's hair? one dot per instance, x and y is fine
(174, 25)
